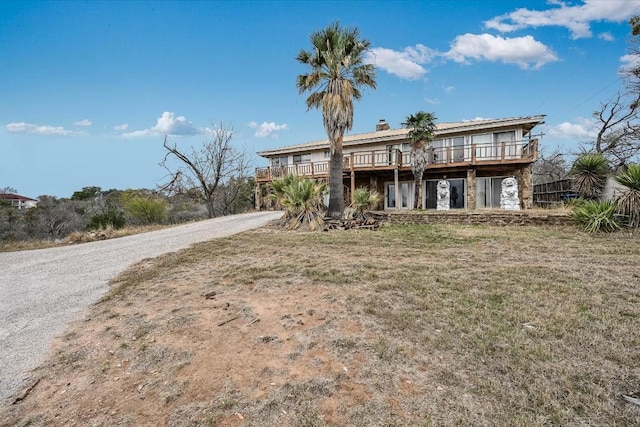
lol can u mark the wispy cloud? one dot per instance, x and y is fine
(267, 130)
(45, 130)
(121, 128)
(83, 123)
(629, 62)
(608, 37)
(167, 124)
(579, 129)
(576, 18)
(522, 51)
(406, 64)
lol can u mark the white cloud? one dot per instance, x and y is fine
(432, 101)
(406, 64)
(267, 130)
(576, 18)
(448, 89)
(579, 129)
(629, 62)
(83, 123)
(46, 130)
(522, 51)
(608, 37)
(168, 124)
(121, 128)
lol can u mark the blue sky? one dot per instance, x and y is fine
(88, 90)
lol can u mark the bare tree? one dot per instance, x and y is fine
(618, 137)
(549, 168)
(206, 170)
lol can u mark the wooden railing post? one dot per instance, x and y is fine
(313, 174)
(351, 159)
(473, 153)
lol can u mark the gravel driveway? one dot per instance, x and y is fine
(42, 290)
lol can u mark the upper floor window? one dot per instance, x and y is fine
(279, 161)
(327, 154)
(301, 158)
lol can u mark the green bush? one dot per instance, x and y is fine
(146, 211)
(629, 201)
(301, 198)
(596, 216)
(589, 174)
(111, 218)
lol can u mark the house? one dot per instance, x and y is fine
(474, 156)
(18, 201)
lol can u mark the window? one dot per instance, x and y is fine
(301, 158)
(457, 199)
(327, 154)
(488, 192)
(279, 161)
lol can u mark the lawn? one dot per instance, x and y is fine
(406, 325)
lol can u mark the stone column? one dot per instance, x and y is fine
(471, 189)
(258, 196)
(525, 186)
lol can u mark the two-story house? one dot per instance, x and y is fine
(18, 201)
(474, 156)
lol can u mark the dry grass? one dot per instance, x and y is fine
(421, 325)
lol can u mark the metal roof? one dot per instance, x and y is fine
(442, 129)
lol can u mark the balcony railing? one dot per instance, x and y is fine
(442, 157)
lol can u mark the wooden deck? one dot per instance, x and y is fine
(440, 158)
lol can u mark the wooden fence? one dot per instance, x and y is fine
(549, 193)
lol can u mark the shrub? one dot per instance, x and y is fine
(362, 199)
(589, 173)
(301, 198)
(146, 210)
(629, 201)
(111, 218)
(596, 216)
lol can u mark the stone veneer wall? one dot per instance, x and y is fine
(525, 184)
(476, 218)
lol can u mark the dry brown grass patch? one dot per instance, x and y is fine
(423, 325)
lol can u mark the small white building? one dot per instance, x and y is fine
(18, 201)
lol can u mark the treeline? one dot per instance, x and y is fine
(92, 208)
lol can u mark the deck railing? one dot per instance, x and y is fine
(475, 154)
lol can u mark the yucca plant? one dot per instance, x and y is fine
(363, 199)
(595, 216)
(589, 174)
(629, 201)
(301, 199)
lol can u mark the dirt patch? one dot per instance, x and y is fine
(401, 326)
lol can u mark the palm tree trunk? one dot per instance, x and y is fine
(336, 185)
(417, 198)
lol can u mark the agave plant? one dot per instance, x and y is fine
(629, 201)
(301, 199)
(595, 216)
(363, 199)
(589, 173)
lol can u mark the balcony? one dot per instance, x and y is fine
(439, 158)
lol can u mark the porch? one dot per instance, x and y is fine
(503, 153)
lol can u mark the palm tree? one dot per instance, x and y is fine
(337, 72)
(589, 173)
(422, 128)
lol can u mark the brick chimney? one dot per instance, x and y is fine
(382, 125)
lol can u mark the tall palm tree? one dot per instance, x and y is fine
(422, 127)
(337, 73)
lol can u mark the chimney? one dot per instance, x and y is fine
(382, 125)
